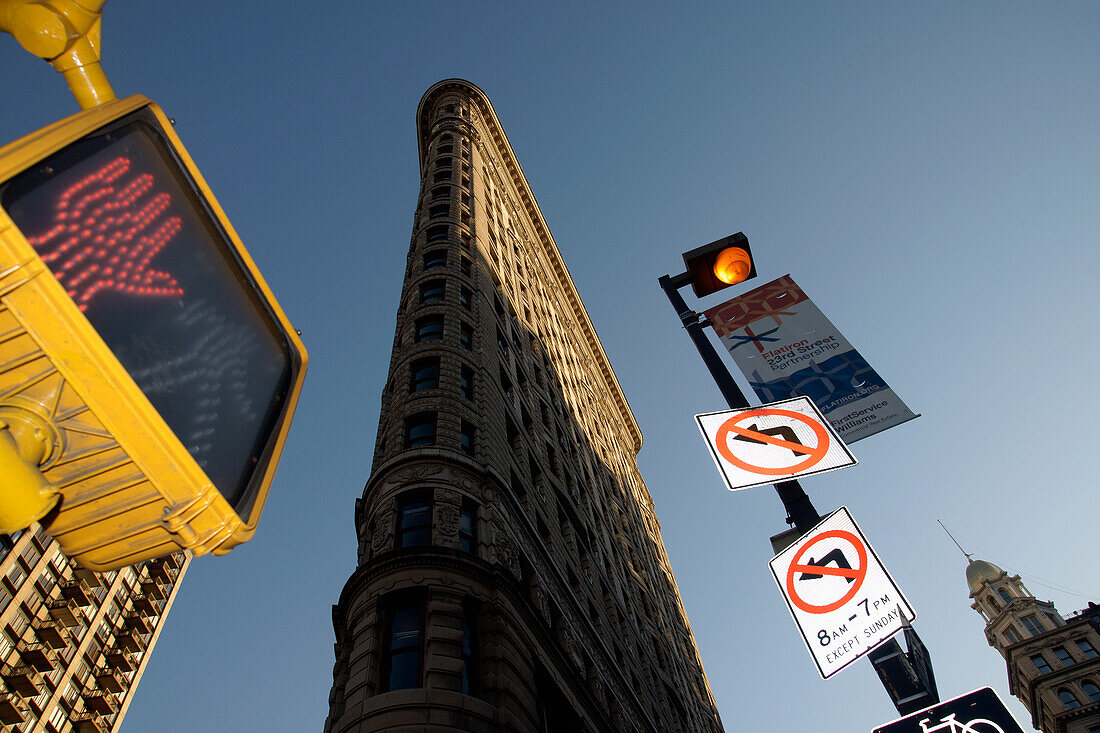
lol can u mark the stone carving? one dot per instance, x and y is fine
(506, 554)
(447, 516)
(383, 526)
(538, 597)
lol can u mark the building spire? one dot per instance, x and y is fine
(964, 552)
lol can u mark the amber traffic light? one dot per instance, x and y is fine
(147, 374)
(720, 264)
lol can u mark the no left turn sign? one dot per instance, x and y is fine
(773, 442)
(839, 593)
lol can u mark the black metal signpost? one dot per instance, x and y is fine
(907, 676)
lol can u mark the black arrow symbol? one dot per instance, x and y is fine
(782, 431)
(836, 556)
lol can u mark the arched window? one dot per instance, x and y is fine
(1092, 692)
(993, 603)
(1068, 699)
(1004, 595)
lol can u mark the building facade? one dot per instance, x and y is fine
(511, 573)
(1053, 661)
(74, 643)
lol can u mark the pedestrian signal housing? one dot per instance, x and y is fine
(148, 377)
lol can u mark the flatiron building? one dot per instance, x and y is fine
(511, 574)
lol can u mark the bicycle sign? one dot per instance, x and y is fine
(950, 725)
(839, 593)
(980, 711)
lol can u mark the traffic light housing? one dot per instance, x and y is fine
(720, 264)
(144, 364)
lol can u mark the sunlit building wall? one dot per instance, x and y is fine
(74, 643)
(1053, 660)
(511, 573)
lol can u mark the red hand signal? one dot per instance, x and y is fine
(104, 236)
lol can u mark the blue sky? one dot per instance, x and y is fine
(928, 172)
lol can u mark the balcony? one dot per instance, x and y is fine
(89, 722)
(122, 661)
(22, 679)
(65, 611)
(129, 641)
(137, 623)
(158, 569)
(10, 713)
(90, 578)
(144, 605)
(111, 681)
(153, 590)
(47, 632)
(77, 591)
(100, 703)
(37, 656)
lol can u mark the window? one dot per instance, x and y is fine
(1040, 663)
(465, 298)
(439, 210)
(443, 162)
(429, 328)
(466, 383)
(1068, 699)
(467, 539)
(441, 192)
(414, 523)
(1092, 692)
(438, 233)
(432, 291)
(1004, 595)
(401, 647)
(1011, 635)
(1086, 648)
(424, 374)
(441, 176)
(420, 430)
(1032, 625)
(435, 258)
(465, 265)
(466, 336)
(466, 438)
(1063, 655)
(469, 650)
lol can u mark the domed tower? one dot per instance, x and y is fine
(1011, 612)
(1053, 663)
(511, 572)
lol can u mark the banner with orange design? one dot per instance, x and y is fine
(786, 347)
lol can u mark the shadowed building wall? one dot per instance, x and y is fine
(511, 572)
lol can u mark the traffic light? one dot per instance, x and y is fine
(720, 264)
(147, 375)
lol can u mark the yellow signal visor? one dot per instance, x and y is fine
(138, 340)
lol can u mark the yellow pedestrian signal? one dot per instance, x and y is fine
(147, 375)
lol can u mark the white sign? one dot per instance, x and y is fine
(774, 442)
(839, 593)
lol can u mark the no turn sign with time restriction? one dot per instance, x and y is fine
(839, 593)
(774, 442)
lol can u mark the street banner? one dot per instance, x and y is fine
(786, 347)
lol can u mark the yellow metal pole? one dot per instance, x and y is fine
(66, 33)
